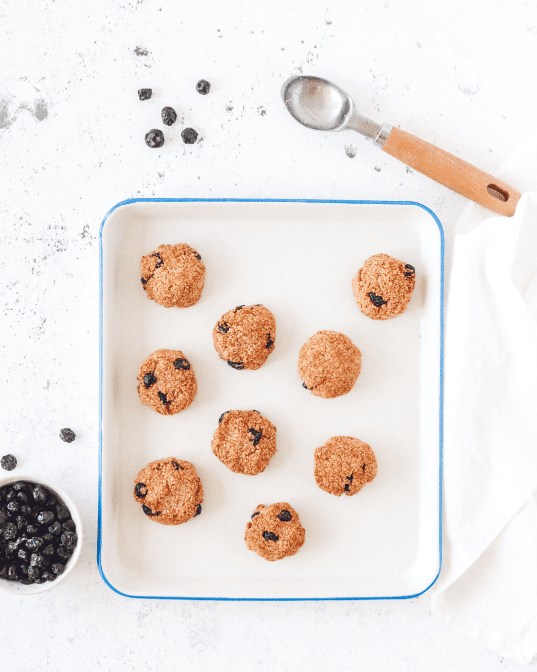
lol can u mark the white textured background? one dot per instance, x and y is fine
(460, 74)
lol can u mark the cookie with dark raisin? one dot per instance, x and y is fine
(344, 465)
(169, 491)
(275, 532)
(244, 441)
(383, 287)
(167, 382)
(173, 275)
(245, 336)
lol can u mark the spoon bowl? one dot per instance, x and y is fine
(317, 103)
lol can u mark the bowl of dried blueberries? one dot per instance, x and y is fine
(40, 535)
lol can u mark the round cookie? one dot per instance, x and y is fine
(169, 491)
(244, 337)
(275, 531)
(245, 441)
(344, 465)
(329, 364)
(383, 287)
(173, 275)
(166, 382)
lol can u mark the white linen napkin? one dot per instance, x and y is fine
(488, 584)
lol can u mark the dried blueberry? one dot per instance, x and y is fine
(177, 466)
(155, 138)
(21, 522)
(254, 514)
(69, 540)
(12, 573)
(224, 327)
(285, 516)
(10, 531)
(198, 256)
(67, 435)
(145, 94)
(19, 485)
(347, 487)
(4, 516)
(47, 576)
(140, 490)
(45, 517)
(34, 544)
(39, 493)
(57, 568)
(48, 536)
(257, 436)
(37, 559)
(69, 526)
(25, 510)
(350, 478)
(49, 550)
(363, 466)
(411, 272)
(55, 528)
(159, 262)
(144, 281)
(270, 536)
(305, 386)
(163, 397)
(22, 554)
(13, 506)
(8, 462)
(149, 379)
(34, 572)
(270, 342)
(236, 365)
(148, 511)
(22, 497)
(3, 572)
(11, 494)
(63, 512)
(64, 553)
(203, 87)
(376, 300)
(169, 116)
(198, 511)
(222, 417)
(182, 364)
(189, 136)
(238, 308)
(31, 528)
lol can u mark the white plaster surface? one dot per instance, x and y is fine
(459, 74)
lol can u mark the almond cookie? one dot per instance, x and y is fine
(383, 287)
(344, 465)
(166, 382)
(329, 364)
(275, 531)
(173, 275)
(244, 441)
(169, 491)
(244, 337)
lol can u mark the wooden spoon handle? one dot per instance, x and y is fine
(452, 172)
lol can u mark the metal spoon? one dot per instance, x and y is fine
(321, 105)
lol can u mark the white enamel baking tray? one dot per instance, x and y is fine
(297, 258)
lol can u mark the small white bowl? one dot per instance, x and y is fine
(20, 589)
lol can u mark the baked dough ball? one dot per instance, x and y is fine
(244, 337)
(169, 491)
(344, 465)
(244, 441)
(166, 382)
(329, 364)
(383, 287)
(173, 275)
(274, 531)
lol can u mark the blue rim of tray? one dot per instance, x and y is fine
(440, 398)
